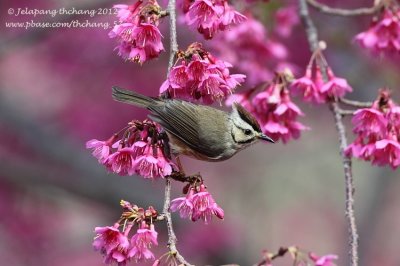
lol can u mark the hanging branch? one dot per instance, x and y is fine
(167, 196)
(365, 11)
(172, 31)
(312, 36)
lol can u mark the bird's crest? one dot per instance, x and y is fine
(247, 116)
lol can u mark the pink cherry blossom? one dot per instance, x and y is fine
(112, 243)
(369, 122)
(183, 204)
(335, 87)
(277, 113)
(306, 87)
(140, 151)
(101, 149)
(204, 206)
(378, 132)
(141, 242)
(211, 16)
(387, 152)
(127, 13)
(393, 118)
(197, 204)
(121, 162)
(138, 42)
(230, 17)
(383, 36)
(139, 39)
(201, 78)
(152, 163)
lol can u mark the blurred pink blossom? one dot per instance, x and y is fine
(249, 49)
(323, 260)
(383, 36)
(286, 18)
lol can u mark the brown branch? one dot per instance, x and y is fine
(171, 234)
(346, 112)
(167, 196)
(172, 31)
(364, 11)
(355, 103)
(312, 36)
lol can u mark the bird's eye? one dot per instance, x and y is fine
(247, 132)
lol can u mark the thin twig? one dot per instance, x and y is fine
(171, 234)
(346, 112)
(312, 36)
(355, 103)
(364, 11)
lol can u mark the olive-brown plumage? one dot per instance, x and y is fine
(199, 131)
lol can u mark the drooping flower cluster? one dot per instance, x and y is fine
(137, 33)
(383, 36)
(252, 51)
(116, 245)
(378, 132)
(274, 109)
(141, 150)
(210, 17)
(200, 77)
(312, 86)
(197, 204)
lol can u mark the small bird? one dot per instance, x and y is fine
(202, 132)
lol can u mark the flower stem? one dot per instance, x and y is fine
(312, 36)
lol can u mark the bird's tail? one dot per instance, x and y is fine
(131, 97)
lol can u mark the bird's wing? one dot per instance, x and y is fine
(181, 120)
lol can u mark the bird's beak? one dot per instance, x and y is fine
(265, 137)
